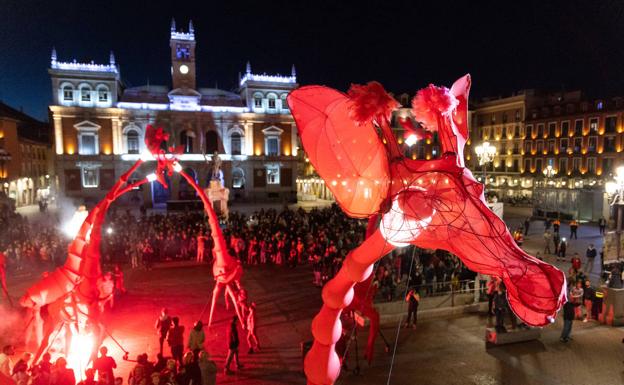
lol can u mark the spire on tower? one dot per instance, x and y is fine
(53, 55)
(248, 68)
(173, 25)
(293, 71)
(111, 58)
(191, 29)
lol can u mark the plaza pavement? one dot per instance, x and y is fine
(441, 351)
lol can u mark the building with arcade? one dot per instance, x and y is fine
(99, 126)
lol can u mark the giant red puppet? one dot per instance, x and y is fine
(435, 204)
(67, 299)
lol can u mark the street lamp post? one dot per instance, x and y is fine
(615, 189)
(485, 153)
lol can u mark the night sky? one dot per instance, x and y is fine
(506, 46)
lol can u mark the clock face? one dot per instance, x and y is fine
(184, 69)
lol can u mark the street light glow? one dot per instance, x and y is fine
(411, 140)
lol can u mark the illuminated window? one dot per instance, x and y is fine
(517, 115)
(235, 143)
(238, 178)
(578, 143)
(551, 146)
(257, 100)
(527, 165)
(284, 101)
(609, 144)
(85, 94)
(551, 129)
(593, 125)
(88, 143)
(132, 142)
(540, 146)
(527, 147)
(591, 165)
(563, 145)
(271, 99)
(599, 105)
(272, 141)
(565, 128)
(68, 93)
(273, 174)
(592, 143)
(102, 94)
(186, 140)
(576, 164)
(610, 124)
(538, 164)
(90, 176)
(578, 127)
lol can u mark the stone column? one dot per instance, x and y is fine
(58, 134)
(249, 138)
(116, 128)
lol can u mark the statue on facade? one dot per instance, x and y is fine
(216, 167)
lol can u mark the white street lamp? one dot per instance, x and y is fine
(485, 153)
(615, 189)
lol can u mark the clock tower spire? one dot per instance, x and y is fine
(183, 57)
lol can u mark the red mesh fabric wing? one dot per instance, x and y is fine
(349, 157)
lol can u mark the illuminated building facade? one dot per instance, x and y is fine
(99, 126)
(501, 122)
(571, 149)
(25, 157)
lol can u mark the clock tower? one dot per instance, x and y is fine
(182, 57)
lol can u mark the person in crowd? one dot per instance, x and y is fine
(576, 296)
(118, 277)
(90, 378)
(104, 366)
(556, 224)
(21, 370)
(574, 225)
(197, 338)
(590, 255)
(492, 289)
(547, 241)
(233, 343)
(201, 242)
(563, 246)
(106, 288)
(163, 325)
(556, 243)
(588, 297)
(161, 363)
(208, 369)
(252, 338)
(190, 372)
(61, 374)
(412, 299)
(500, 309)
(175, 339)
(602, 225)
(140, 373)
(527, 225)
(6, 365)
(169, 374)
(568, 317)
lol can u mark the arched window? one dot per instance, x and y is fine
(272, 98)
(132, 142)
(284, 102)
(186, 140)
(236, 143)
(238, 178)
(103, 94)
(85, 93)
(68, 93)
(212, 142)
(257, 100)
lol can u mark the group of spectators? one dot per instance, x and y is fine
(30, 244)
